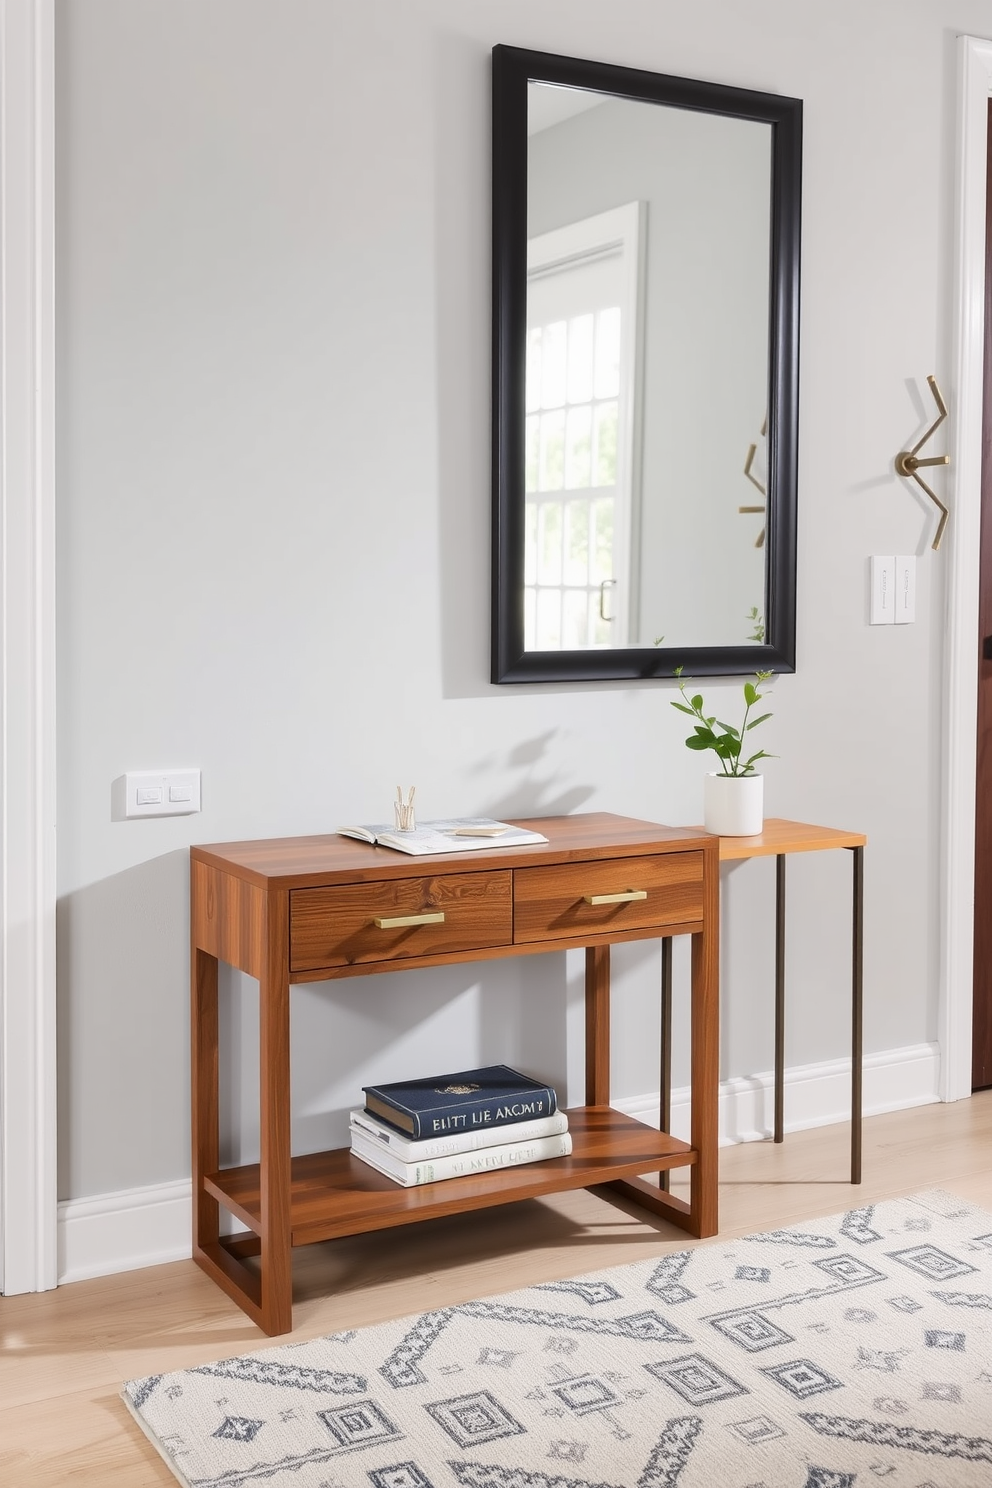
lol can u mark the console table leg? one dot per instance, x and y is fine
(204, 1074)
(705, 1062)
(274, 1135)
(597, 1025)
(779, 995)
(665, 1114)
(857, 1003)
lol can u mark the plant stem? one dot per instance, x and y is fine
(747, 709)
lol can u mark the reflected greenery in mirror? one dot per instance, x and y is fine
(645, 328)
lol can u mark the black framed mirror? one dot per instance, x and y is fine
(646, 237)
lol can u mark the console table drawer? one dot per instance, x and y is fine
(452, 912)
(633, 894)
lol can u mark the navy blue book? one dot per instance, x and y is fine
(468, 1101)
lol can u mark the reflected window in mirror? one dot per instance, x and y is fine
(583, 319)
(645, 337)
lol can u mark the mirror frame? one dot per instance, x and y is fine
(513, 69)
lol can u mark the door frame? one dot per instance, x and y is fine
(960, 692)
(28, 1148)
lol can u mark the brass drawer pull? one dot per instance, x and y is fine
(626, 898)
(398, 922)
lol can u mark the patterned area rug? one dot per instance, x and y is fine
(850, 1351)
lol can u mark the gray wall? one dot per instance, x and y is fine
(273, 403)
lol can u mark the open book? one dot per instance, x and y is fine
(459, 834)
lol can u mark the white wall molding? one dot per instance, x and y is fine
(961, 588)
(27, 648)
(815, 1095)
(150, 1226)
(124, 1231)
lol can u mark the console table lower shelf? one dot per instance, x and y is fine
(334, 1194)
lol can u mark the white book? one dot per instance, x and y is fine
(457, 834)
(458, 1164)
(408, 1150)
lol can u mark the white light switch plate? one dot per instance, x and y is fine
(883, 591)
(905, 595)
(161, 792)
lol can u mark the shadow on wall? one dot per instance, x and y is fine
(536, 791)
(366, 1030)
(123, 1029)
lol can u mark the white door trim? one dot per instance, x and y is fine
(960, 701)
(28, 1182)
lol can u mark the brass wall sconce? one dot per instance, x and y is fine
(908, 463)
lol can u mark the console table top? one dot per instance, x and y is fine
(297, 862)
(781, 836)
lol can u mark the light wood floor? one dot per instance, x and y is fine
(65, 1354)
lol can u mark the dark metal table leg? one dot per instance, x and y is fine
(664, 1179)
(779, 992)
(857, 1007)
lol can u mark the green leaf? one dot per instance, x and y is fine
(695, 742)
(750, 694)
(729, 728)
(697, 702)
(683, 709)
(755, 721)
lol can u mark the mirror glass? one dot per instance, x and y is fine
(646, 250)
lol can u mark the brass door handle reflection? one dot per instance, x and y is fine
(399, 922)
(627, 897)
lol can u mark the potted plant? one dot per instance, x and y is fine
(733, 797)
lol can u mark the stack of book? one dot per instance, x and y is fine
(457, 1126)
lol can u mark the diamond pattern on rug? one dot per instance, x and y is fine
(238, 1428)
(587, 1393)
(358, 1424)
(928, 1261)
(401, 1475)
(471, 1419)
(821, 1369)
(697, 1379)
(801, 1377)
(751, 1330)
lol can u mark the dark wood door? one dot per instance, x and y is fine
(981, 1064)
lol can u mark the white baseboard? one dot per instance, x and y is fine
(125, 1230)
(149, 1226)
(814, 1094)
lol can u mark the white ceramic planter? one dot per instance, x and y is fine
(733, 805)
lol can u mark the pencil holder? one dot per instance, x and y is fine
(403, 812)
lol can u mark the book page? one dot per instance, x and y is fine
(451, 834)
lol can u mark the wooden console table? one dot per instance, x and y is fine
(317, 908)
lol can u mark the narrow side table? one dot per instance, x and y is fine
(779, 838)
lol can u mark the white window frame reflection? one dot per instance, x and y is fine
(616, 235)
